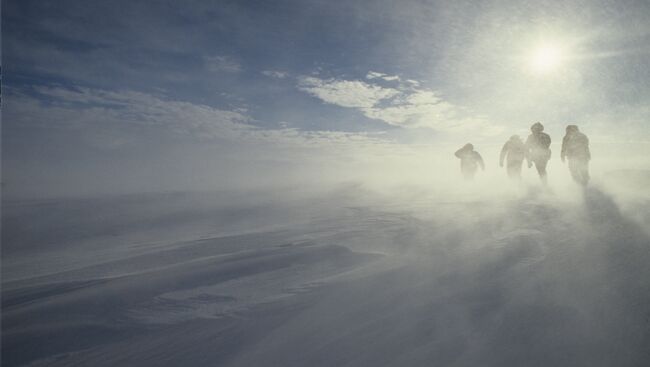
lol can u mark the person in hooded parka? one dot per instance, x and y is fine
(575, 148)
(470, 160)
(513, 152)
(537, 150)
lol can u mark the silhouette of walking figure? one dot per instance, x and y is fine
(575, 147)
(469, 161)
(537, 150)
(515, 151)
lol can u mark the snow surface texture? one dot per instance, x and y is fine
(345, 278)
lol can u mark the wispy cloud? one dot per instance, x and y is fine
(109, 118)
(87, 108)
(406, 105)
(220, 63)
(376, 75)
(346, 93)
(275, 74)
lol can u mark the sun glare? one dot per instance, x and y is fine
(546, 58)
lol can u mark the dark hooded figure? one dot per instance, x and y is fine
(470, 160)
(515, 151)
(575, 147)
(537, 149)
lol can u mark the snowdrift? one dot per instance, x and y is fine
(343, 278)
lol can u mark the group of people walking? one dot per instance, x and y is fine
(536, 150)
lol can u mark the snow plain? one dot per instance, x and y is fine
(346, 277)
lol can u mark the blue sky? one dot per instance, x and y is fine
(151, 90)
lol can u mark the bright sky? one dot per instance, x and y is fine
(161, 95)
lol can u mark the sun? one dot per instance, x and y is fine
(546, 58)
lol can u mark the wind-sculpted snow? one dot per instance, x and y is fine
(346, 278)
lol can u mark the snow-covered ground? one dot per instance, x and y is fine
(346, 277)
